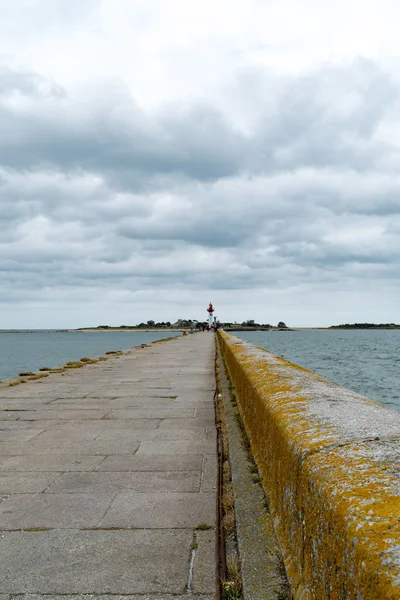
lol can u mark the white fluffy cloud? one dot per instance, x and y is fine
(158, 155)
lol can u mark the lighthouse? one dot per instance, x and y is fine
(210, 311)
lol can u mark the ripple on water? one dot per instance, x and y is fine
(363, 361)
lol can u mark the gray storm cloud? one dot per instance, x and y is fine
(97, 193)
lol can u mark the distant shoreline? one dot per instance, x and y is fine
(242, 328)
(104, 330)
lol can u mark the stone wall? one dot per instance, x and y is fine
(330, 466)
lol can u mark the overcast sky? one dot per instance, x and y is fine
(156, 155)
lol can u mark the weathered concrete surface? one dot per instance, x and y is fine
(105, 472)
(330, 465)
(262, 568)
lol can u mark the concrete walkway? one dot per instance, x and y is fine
(106, 473)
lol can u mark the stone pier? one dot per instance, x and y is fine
(108, 478)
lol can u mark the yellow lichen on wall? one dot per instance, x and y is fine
(336, 512)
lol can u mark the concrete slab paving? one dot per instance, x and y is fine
(140, 435)
(199, 596)
(187, 462)
(105, 472)
(204, 574)
(190, 424)
(59, 413)
(9, 415)
(160, 510)
(61, 511)
(166, 412)
(14, 435)
(95, 562)
(177, 447)
(113, 482)
(51, 462)
(23, 483)
(209, 477)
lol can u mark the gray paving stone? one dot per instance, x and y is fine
(32, 447)
(205, 413)
(197, 394)
(59, 413)
(176, 447)
(95, 562)
(131, 390)
(11, 405)
(68, 435)
(193, 595)
(187, 462)
(9, 415)
(79, 404)
(93, 425)
(148, 413)
(131, 424)
(23, 483)
(64, 424)
(15, 435)
(204, 572)
(112, 482)
(51, 462)
(117, 446)
(19, 425)
(210, 469)
(190, 424)
(160, 510)
(61, 511)
(88, 446)
(139, 435)
(128, 402)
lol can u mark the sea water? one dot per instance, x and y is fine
(365, 361)
(29, 350)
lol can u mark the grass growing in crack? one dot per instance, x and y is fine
(228, 500)
(194, 546)
(228, 590)
(38, 376)
(74, 365)
(234, 574)
(227, 471)
(228, 521)
(244, 438)
(89, 361)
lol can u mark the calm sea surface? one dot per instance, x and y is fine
(367, 362)
(28, 351)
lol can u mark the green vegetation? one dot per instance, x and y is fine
(366, 326)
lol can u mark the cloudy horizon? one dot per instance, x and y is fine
(158, 155)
